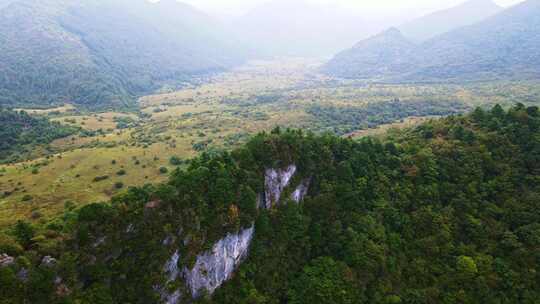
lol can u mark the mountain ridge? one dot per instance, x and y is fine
(504, 46)
(105, 53)
(439, 22)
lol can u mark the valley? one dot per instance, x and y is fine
(269, 152)
(115, 150)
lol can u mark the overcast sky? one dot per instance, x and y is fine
(237, 7)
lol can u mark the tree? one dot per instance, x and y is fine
(23, 232)
(324, 281)
(466, 267)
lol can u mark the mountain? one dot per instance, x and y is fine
(379, 55)
(447, 211)
(299, 28)
(504, 46)
(467, 13)
(105, 52)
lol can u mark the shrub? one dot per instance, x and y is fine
(121, 172)
(163, 170)
(100, 178)
(175, 161)
(119, 185)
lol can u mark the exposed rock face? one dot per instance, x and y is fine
(171, 267)
(214, 267)
(301, 191)
(274, 183)
(48, 261)
(172, 272)
(217, 265)
(6, 260)
(173, 298)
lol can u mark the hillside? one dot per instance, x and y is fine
(505, 46)
(381, 55)
(105, 53)
(440, 22)
(20, 133)
(443, 212)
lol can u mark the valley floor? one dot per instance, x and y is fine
(131, 149)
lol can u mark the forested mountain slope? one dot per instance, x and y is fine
(105, 53)
(505, 46)
(382, 55)
(440, 22)
(443, 213)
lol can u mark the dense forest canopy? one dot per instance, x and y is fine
(20, 132)
(443, 213)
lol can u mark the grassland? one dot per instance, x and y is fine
(219, 114)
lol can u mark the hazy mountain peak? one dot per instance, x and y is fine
(392, 32)
(389, 38)
(299, 28)
(466, 13)
(504, 46)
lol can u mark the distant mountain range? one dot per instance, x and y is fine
(299, 28)
(440, 22)
(105, 52)
(504, 46)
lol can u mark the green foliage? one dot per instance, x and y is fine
(342, 120)
(163, 170)
(100, 178)
(175, 161)
(443, 213)
(324, 281)
(104, 54)
(23, 233)
(20, 132)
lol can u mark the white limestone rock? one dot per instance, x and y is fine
(6, 260)
(173, 298)
(274, 183)
(301, 191)
(171, 267)
(48, 261)
(216, 266)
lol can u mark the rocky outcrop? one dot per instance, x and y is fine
(171, 267)
(48, 261)
(173, 298)
(274, 183)
(216, 266)
(6, 260)
(212, 268)
(301, 191)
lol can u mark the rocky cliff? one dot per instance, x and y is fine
(216, 266)
(276, 180)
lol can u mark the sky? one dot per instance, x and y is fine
(418, 7)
